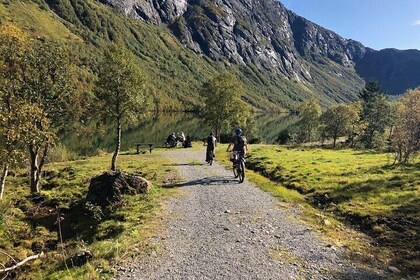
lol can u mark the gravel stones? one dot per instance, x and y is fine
(256, 239)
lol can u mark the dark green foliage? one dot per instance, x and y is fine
(337, 121)
(284, 137)
(309, 111)
(370, 90)
(177, 72)
(376, 115)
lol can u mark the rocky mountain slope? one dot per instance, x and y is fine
(266, 34)
(280, 57)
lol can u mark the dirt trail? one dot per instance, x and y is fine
(219, 229)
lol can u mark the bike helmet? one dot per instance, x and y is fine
(238, 131)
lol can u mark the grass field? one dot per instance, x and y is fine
(28, 222)
(359, 188)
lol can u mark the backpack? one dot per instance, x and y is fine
(239, 142)
(210, 141)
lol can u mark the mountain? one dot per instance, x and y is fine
(395, 70)
(280, 57)
(266, 34)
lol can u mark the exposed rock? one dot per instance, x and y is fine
(109, 187)
(263, 33)
(274, 39)
(393, 269)
(154, 11)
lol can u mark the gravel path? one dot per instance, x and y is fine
(219, 229)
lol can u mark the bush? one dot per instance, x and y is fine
(284, 137)
(379, 141)
(225, 138)
(60, 153)
(255, 140)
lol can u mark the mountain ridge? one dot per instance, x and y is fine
(307, 38)
(181, 44)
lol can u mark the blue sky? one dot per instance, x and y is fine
(377, 24)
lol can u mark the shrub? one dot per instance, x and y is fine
(60, 153)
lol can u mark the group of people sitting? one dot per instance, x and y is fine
(175, 140)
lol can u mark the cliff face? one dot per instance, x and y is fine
(396, 70)
(156, 12)
(265, 34)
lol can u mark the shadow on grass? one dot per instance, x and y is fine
(368, 152)
(397, 230)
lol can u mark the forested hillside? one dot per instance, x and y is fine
(280, 57)
(175, 73)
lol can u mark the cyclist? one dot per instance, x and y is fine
(211, 143)
(239, 143)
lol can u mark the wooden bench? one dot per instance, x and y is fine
(145, 145)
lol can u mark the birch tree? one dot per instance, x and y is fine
(120, 90)
(223, 105)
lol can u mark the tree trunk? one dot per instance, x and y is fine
(335, 140)
(42, 163)
(3, 179)
(33, 152)
(117, 148)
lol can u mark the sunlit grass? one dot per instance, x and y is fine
(362, 182)
(360, 188)
(121, 235)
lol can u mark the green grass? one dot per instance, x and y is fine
(361, 182)
(330, 228)
(120, 235)
(36, 21)
(359, 188)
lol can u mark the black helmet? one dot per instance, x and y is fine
(238, 131)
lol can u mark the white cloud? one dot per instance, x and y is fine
(417, 22)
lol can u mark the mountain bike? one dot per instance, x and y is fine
(239, 166)
(210, 156)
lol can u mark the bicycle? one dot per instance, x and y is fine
(210, 156)
(239, 166)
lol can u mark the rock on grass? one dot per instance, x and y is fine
(109, 187)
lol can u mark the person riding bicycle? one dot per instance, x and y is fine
(239, 143)
(211, 143)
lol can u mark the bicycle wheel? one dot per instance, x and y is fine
(241, 171)
(235, 171)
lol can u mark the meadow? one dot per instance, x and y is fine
(360, 188)
(28, 223)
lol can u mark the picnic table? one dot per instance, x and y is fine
(146, 145)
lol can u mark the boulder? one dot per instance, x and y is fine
(108, 188)
(394, 270)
